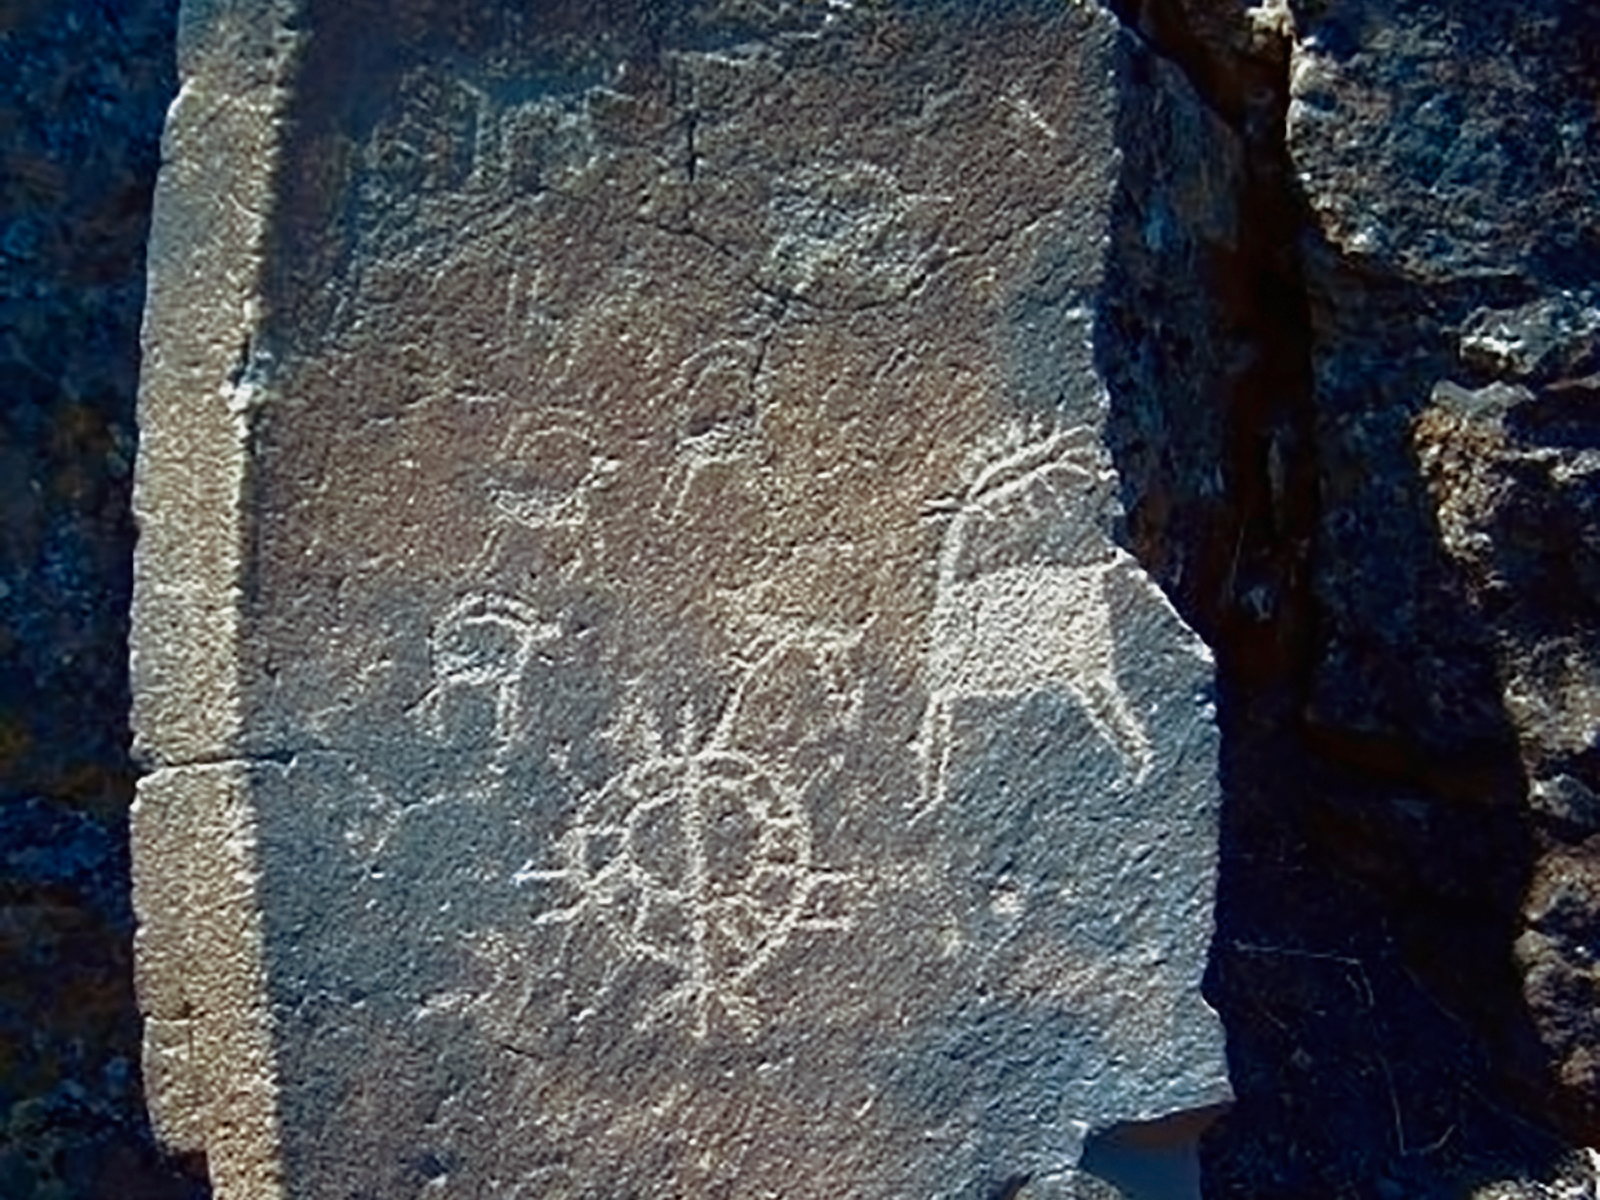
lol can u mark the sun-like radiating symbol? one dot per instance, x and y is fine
(699, 858)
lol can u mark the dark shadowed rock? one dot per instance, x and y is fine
(82, 94)
(1400, 188)
(1447, 153)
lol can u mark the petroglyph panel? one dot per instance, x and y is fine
(712, 739)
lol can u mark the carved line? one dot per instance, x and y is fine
(783, 855)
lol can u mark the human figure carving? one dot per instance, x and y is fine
(1021, 605)
(485, 642)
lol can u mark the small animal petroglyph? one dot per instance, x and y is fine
(720, 418)
(1021, 605)
(546, 477)
(484, 645)
(700, 858)
(850, 235)
(542, 487)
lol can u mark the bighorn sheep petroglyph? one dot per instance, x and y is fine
(1022, 605)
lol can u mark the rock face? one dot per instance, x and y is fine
(644, 689)
(1391, 569)
(1459, 334)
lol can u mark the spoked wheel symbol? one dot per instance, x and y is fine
(700, 862)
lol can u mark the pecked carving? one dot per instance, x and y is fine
(481, 650)
(700, 857)
(1021, 605)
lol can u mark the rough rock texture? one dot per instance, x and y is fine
(1390, 570)
(82, 94)
(1449, 158)
(644, 690)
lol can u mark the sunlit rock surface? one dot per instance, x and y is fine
(644, 685)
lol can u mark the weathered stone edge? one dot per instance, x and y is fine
(209, 1069)
(208, 230)
(208, 1062)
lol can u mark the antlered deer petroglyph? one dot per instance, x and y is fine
(1021, 605)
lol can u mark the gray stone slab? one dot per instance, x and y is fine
(630, 544)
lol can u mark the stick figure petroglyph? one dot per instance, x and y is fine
(1021, 605)
(701, 858)
(484, 645)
